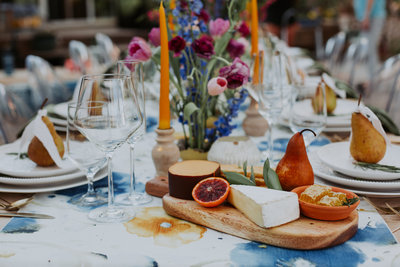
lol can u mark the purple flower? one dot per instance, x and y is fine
(236, 74)
(218, 27)
(154, 37)
(177, 44)
(243, 29)
(139, 50)
(204, 15)
(203, 47)
(217, 86)
(235, 48)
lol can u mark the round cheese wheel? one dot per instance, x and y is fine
(184, 175)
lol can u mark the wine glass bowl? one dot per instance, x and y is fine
(108, 123)
(87, 158)
(134, 68)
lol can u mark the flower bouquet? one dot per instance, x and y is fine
(206, 70)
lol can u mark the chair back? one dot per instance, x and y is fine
(333, 50)
(79, 54)
(106, 46)
(44, 82)
(14, 115)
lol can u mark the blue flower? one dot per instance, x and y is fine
(196, 6)
(203, 27)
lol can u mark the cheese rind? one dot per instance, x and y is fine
(265, 207)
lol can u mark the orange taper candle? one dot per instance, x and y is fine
(254, 41)
(172, 6)
(254, 27)
(164, 117)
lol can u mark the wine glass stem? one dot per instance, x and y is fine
(132, 170)
(271, 143)
(90, 176)
(110, 181)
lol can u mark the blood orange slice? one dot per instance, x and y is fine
(211, 192)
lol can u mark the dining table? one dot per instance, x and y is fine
(153, 238)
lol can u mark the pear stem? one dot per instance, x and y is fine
(359, 99)
(308, 130)
(44, 103)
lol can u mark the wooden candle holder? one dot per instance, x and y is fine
(165, 153)
(254, 124)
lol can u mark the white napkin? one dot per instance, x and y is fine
(331, 83)
(367, 113)
(39, 129)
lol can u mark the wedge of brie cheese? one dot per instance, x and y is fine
(265, 207)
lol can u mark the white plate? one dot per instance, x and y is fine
(337, 157)
(364, 192)
(61, 109)
(10, 165)
(40, 180)
(50, 186)
(57, 121)
(304, 62)
(328, 174)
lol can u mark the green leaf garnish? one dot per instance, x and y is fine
(245, 168)
(237, 178)
(271, 179)
(252, 177)
(376, 166)
(350, 201)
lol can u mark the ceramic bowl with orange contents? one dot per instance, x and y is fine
(326, 203)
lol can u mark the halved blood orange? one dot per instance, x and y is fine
(211, 192)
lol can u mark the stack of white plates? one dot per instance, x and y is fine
(21, 175)
(333, 165)
(58, 116)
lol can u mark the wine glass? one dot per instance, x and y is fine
(108, 124)
(88, 159)
(271, 98)
(309, 111)
(135, 70)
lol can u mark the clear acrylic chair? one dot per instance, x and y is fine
(393, 105)
(333, 50)
(354, 68)
(106, 45)
(14, 115)
(79, 54)
(44, 82)
(383, 87)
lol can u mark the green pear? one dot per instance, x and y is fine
(366, 144)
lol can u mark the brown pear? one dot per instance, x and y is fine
(38, 153)
(330, 96)
(294, 169)
(366, 144)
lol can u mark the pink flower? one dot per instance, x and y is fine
(154, 36)
(177, 44)
(218, 27)
(236, 74)
(235, 48)
(217, 86)
(243, 29)
(203, 47)
(139, 50)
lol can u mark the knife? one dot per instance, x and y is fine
(27, 215)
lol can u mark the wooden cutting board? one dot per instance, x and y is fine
(303, 233)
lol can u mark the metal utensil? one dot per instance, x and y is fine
(26, 215)
(14, 206)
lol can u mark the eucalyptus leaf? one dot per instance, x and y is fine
(271, 179)
(350, 92)
(245, 168)
(252, 177)
(189, 109)
(237, 178)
